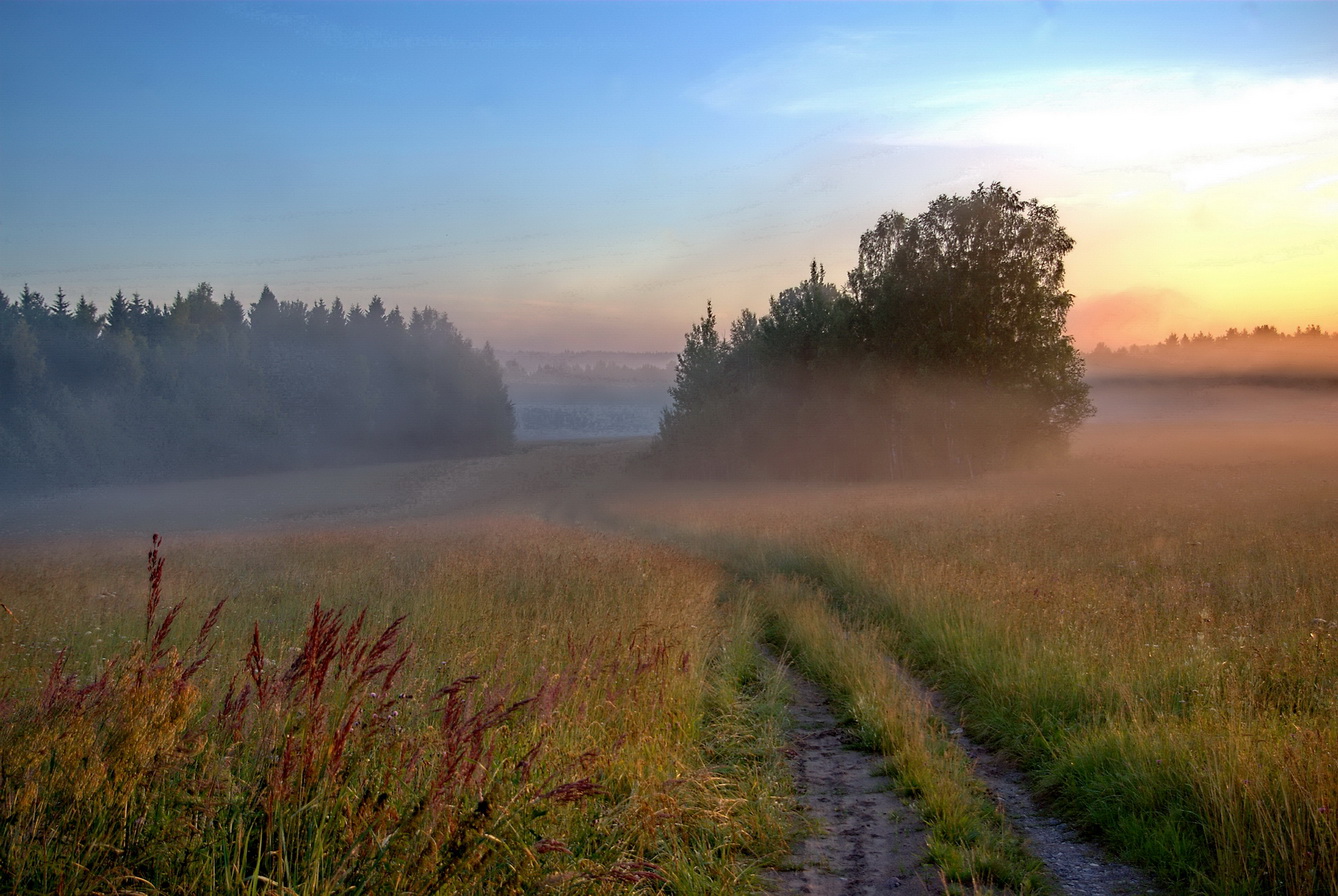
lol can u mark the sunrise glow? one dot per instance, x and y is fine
(573, 176)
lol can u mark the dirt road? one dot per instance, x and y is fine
(865, 839)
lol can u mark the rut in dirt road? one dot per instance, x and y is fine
(1079, 867)
(868, 840)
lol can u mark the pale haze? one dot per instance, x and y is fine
(571, 176)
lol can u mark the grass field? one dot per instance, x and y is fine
(1150, 629)
(524, 708)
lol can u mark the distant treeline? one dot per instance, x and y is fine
(577, 367)
(600, 372)
(203, 386)
(1261, 354)
(945, 354)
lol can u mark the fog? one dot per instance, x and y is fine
(202, 387)
(1262, 378)
(583, 395)
(584, 419)
(1177, 401)
(547, 479)
(1260, 356)
(1138, 421)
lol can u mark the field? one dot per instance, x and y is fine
(525, 707)
(1149, 629)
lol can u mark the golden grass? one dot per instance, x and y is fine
(1152, 628)
(590, 741)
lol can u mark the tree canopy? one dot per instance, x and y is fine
(946, 352)
(201, 386)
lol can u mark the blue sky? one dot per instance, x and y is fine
(588, 175)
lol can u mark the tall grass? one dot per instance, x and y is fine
(1149, 629)
(512, 707)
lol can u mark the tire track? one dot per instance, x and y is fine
(868, 841)
(1079, 867)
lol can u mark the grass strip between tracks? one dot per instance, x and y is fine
(971, 842)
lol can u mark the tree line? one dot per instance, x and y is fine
(598, 373)
(1305, 357)
(206, 386)
(945, 353)
(1263, 336)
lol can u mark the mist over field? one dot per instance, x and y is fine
(1171, 421)
(1261, 377)
(728, 449)
(561, 395)
(1179, 554)
(582, 395)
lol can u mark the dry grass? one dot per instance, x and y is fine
(501, 706)
(1151, 628)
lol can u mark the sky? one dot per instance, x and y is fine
(587, 176)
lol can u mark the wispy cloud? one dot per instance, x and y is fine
(1112, 118)
(1194, 127)
(838, 72)
(1219, 171)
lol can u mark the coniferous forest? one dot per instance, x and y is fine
(204, 387)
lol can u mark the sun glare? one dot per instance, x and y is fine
(1173, 119)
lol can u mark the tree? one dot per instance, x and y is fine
(32, 306)
(22, 367)
(376, 311)
(948, 353)
(118, 314)
(807, 323)
(232, 313)
(195, 387)
(86, 316)
(697, 374)
(697, 385)
(973, 290)
(61, 307)
(264, 311)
